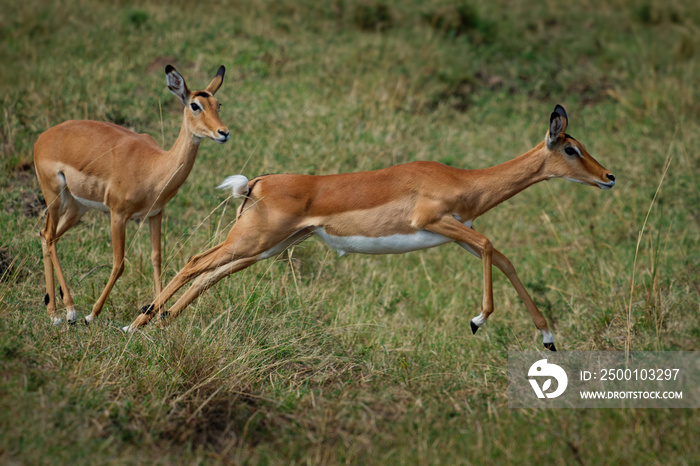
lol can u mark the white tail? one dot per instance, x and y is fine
(238, 184)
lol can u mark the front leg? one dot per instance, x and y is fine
(507, 268)
(480, 246)
(118, 224)
(154, 227)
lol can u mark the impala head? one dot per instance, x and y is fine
(201, 107)
(568, 158)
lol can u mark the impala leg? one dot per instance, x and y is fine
(507, 268)
(118, 224)
(192, 269)
(238, 252)
(206, 281)
(69, 218)
(154, 228)
(68, 214)
(481, 247)
(214, 268)
(198, 267)
(50, 298)
(71, 314)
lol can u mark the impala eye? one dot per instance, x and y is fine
(195, 107)
(571, 151)
(219, 107)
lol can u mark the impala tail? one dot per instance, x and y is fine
(238, 184)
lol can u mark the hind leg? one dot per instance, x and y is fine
(71, 314)
(62, 213)
(204, 282)
(239, 251)
(50, 298)
(69, 216)
(220, 269)
(59, 219)
(214, 258)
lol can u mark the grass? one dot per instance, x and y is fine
(316, 359)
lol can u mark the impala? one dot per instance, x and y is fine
(83, 165)
(399, 209)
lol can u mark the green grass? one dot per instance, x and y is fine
(317, 359)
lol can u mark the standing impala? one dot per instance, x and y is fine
(403, 208)
(83, 165)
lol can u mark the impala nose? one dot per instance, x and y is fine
(225, 133)
(610, 176)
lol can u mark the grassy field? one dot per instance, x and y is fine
(316, 359)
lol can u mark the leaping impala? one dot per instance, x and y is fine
(83, 165)
(399, 209)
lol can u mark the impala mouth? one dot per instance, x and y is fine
(221, 135)
(605, 185)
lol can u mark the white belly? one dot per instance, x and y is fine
(392, 244)
(87, 204)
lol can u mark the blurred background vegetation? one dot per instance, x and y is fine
(317, 359)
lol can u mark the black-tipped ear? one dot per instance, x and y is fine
(215, 83)
(558, 122)
(176, 83)
(560, 110)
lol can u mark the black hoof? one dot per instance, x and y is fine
(46, 299)
(550, 346)
(72, 322)
(474, 327)
(164, 316)
(86, 322)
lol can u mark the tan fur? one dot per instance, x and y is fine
(283, 210)
(128, 173)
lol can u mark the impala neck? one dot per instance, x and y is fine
(501, 182)
(183, 153)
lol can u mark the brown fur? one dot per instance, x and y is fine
(283, 210)
(127, 172)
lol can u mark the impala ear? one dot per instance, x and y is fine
(215, 83)
(558, 122)
(176, 83)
